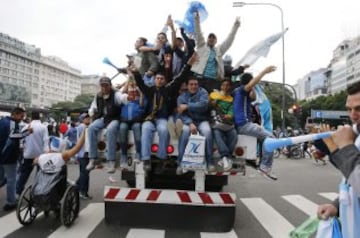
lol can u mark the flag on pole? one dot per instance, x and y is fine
(260, 49)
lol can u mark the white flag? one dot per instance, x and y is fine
(260, 49)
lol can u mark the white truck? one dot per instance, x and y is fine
(160, 198)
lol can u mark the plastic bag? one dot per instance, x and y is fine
(329, 229)
(194, 153)
(189, 23)
(49, 188)
(306, 229)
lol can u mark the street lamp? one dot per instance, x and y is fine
(241, 4)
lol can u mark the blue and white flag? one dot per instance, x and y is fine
(262, 48)
(189, 23)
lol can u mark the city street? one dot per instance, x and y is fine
(265, 208)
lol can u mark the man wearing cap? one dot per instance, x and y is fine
(210, 68)
(34, 145)
(105, 110)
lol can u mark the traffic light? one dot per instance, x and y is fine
(295, 108)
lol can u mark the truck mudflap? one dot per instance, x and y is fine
(179, 209)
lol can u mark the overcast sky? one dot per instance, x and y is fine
(83, 32)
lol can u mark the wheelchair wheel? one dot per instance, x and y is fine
(25, 210)
(70, 205)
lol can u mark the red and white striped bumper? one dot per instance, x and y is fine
(176, 197)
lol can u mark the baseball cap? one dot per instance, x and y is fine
(83, 116)
(105, 80)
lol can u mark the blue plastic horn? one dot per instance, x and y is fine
(108, 62)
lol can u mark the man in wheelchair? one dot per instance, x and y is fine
(50, 190)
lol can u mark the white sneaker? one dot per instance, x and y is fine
(178, 127)
(123, 161)
(137, 158)
(226, 163)
(179, 170)
(171, 128)
(267, 172)
(111, 167)
(90, 165)
(211, 168)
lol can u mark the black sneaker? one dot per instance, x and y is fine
(9, 207)
(85, 196)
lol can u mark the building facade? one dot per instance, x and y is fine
(312, 85)
(90, 84)
(343, 70)
(345, 65)
(30, 79)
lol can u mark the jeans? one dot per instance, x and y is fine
(124, 129)
(225, 141)
(257, 131)
(25, 170)
(10, 173)
(205, 130)
(147, 135)
(111, 138)
(83, 180)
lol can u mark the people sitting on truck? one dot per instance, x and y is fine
(210, 67)
(132, 115)
(175, 124)
(145, 61)
(242, 116)
(157, 112)
(105, 110)
(225, 136)
(192, 105)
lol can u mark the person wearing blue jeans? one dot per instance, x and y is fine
(225, 134)
(83, 157)
(105, 109)
(10, 137)
(157, 110)
(243, 120)
(124, 131)
(132, 115)
(192, 107)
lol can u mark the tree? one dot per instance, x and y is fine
(63, 109)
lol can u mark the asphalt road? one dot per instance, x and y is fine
(265, 208)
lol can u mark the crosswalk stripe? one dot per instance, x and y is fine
(302, 203)
(88, 219)
(10, 223)
(330, 196)
(148, 233)
(230, 234)
(269, 218)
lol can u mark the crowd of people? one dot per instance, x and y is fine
(174, 91)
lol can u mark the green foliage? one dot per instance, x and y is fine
(62, 109)
(274, 91)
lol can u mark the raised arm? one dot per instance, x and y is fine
(200, 40)
(248, 87)
(67, 154)
(226, 44)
